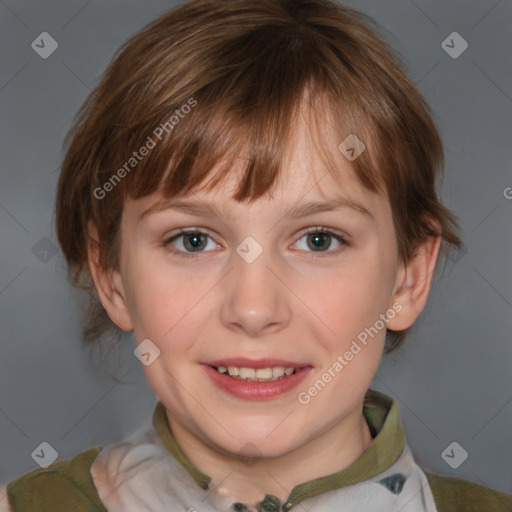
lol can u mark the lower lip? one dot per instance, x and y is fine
(256, 390)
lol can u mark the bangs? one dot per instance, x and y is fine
(246, 114)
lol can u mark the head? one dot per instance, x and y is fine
(250, 110)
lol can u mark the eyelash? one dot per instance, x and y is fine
(317, 230)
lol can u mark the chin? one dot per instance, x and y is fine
(260, 446)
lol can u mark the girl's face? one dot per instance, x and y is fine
(250, 282)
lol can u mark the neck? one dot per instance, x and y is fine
(248, 481)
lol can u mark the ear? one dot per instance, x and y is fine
(413, 284)
(108, 284)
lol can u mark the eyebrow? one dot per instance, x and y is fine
(297, 211)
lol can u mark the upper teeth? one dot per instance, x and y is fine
(252, 374)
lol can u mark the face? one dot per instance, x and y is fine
(300, 289)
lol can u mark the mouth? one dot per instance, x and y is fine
(261, 370)
(266, 374)
(256, 380)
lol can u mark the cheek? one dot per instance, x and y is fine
(351, 332)
(161, 305)
(351, 297)
(173, 307)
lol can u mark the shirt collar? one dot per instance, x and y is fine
(380, 412)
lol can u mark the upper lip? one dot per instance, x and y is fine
(256, 363)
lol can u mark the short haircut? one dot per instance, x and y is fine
(210, 79)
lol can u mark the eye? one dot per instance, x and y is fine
(190, 241)
(320, 240)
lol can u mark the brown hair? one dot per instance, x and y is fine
(242, 67)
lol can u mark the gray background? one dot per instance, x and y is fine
(452, 378)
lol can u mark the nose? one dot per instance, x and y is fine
(255, 300)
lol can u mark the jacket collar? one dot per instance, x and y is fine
(383, 417)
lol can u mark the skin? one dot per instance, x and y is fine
(216, 305)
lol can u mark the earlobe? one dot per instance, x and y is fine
(108, 284)
(413, 284)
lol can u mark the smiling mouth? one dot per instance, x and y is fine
(268, 374)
